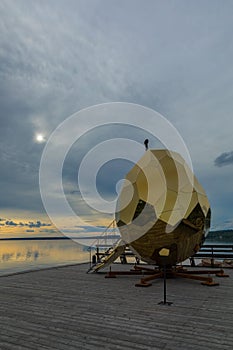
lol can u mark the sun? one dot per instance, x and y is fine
(40, 138)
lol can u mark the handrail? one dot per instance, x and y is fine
(215, 251)
(104, 235)
(108, 247)
(214, 245)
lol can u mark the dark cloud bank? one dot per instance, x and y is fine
(225, 158)
(27, 224)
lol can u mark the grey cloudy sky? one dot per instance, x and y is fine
(57, 57)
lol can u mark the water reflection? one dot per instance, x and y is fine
(24, 254)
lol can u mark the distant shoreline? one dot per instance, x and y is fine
(220, 236)
(213, 236)
(49, 238)
(33, 238)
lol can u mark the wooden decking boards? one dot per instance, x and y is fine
(65, 308)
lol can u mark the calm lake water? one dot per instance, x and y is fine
(27, 254)
(22, 255)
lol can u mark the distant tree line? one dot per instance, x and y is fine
(220, 236)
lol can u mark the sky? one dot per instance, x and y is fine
(58, 57)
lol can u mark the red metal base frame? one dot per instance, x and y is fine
(170, 273)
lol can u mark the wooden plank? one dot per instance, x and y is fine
(65, 308)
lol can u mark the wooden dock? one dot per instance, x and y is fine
(65, 308)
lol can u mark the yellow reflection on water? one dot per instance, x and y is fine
(25, 254)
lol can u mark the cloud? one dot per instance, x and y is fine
(36, 224)
(49, 231)
(10, 223)
(29, 224)
(90, 228)
(37, 91)
(224, 159)
(55, 60)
